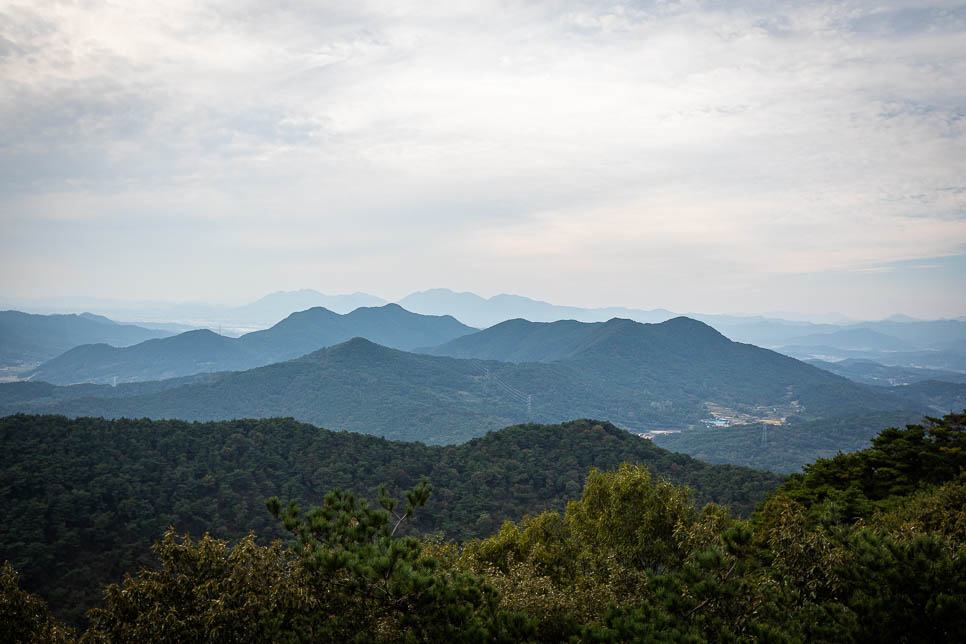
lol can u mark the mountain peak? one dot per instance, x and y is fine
(690, 324)
(314, 313)
(353, 349)
(194, 338)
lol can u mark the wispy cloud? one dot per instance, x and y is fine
(731, 143)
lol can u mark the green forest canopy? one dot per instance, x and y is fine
(84, 499)
(862, 547)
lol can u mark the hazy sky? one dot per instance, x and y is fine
(698, 156)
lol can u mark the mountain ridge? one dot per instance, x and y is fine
(639, 376)
(205, 351)
(31, 338)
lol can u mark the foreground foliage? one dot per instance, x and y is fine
(860, 548)
(83, 499)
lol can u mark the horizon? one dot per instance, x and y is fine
(737, 160)
(72, 304)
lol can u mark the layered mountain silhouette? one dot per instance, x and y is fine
(25, 337)
(484, 312)
(939, 341)
(204, 351)
(637, 375)
(861, 338)
(276, 306)
(873, 373)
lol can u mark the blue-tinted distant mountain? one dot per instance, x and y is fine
(640, 376)
(873, 373)
(689, 355)
(29, 338)
(923, 344)
(204, 351)
(617, 339)
(774, 333)
(924, 333)
(484, 312)
(179, 355)
(235, 320)
(390, 325)
(171, 328)
(761, 331)
(859, 339)
(520, 341)
(814, 318)
(943, 360)
(279, 305)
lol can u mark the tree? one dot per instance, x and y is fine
(206, 589)
(373, 586)
(24, 617)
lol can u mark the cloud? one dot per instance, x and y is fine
(737, 140)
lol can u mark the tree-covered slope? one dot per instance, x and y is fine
(638, 376)
(356, 386)
(361, 386)
(680, 362)
(389, 325)
(786, 448)
(186, 353)
(83, 499)
(684, 358)
(28, 338)
(519, 340)
(203, 351)
(679, 353)
(864, 547)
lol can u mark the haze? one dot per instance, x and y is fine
(697, 156)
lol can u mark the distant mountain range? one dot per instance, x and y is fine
(933, 359)
(28, 338)
(899, 341)
(639, 376)
(862, 338)
(903, 338)
(279, 305)
(204, 351)
(873, 373)
(485, 312)
(770, 331)
(185, 315)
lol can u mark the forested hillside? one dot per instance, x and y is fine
(83, 499)
(204, 351)
(786, 448)
(674, 361)
(638, 376)
(29, 338)
(864, 547)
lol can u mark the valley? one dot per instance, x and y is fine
(488, 415)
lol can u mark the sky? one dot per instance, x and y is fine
(717, 157)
